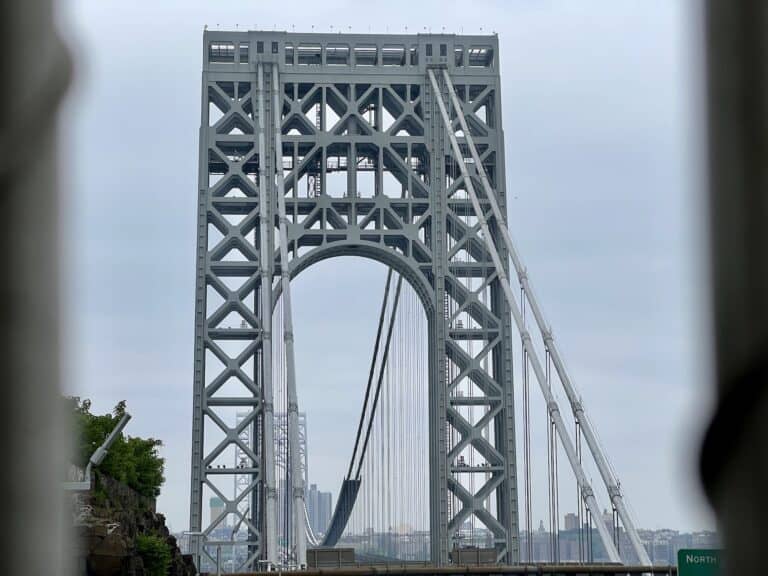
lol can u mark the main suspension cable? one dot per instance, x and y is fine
(381, 373)
(371, 371)
(371, 510)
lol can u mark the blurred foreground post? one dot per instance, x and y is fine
(734, 463)
(35, 72)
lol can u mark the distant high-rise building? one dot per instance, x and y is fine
(608, 518)
(324, 501)
(312, 506)
(217, 509)
(319, 508)
(571, 521)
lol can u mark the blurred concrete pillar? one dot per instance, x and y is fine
(734, 463)
(35, 70)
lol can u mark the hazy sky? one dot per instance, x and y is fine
(600, 108)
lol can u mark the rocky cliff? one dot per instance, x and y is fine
(109, 518)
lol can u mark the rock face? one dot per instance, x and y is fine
(109, 518)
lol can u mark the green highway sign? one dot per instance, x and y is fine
(692, 562)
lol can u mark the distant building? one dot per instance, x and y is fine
(217, 509)
(663, 545)
(577, 543)
(319, 508)
(324, 510)
(608, 518)
(571, 521)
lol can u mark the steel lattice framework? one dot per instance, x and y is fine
(368, 170)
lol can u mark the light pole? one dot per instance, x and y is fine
(98, 457)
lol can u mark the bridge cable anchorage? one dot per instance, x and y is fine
(350, 485)
(265, 291)
(591, 502)
(601, 459)
(296, 477)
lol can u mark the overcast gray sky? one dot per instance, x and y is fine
(600, 107)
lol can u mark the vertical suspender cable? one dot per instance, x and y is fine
(527, 448)
(579, 501)
(386, 444)
(550, 502)
(378, 444)
(553, 476)
(557, 493)
(591, 551)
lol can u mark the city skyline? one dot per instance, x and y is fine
(573, 545)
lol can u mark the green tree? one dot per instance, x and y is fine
(155, 553)
(131, 460)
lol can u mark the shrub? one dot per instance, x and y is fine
(155, 553)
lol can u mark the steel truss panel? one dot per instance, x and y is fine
(368, 171)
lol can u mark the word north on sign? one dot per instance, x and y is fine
(698, 562)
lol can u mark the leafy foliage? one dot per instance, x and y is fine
(155, 553)
(131, 460)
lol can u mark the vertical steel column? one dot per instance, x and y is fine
(196, 488)
(577, 407)
(265, 291)
(438, 382)
(297, 483)
(552, 406)
(505, 433)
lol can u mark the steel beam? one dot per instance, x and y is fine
(297, 482)
(265, 291)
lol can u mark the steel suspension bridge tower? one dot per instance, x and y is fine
(411, 125)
